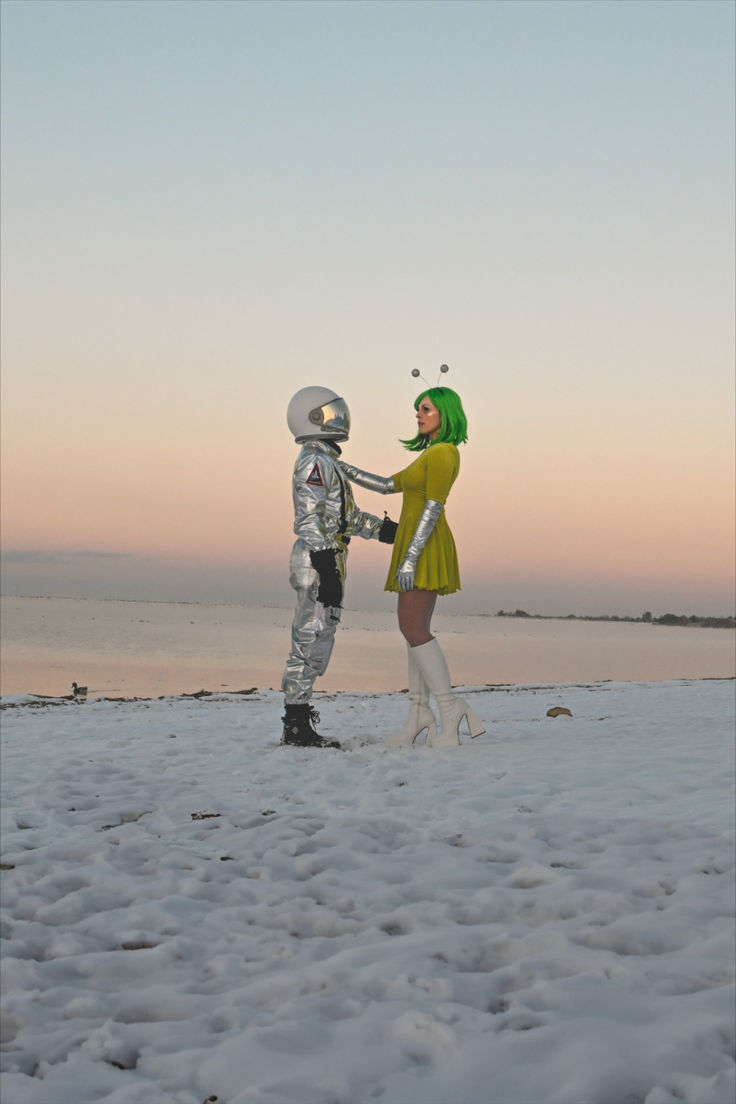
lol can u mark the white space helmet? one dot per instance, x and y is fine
(318, 412)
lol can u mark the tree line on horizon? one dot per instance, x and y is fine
(646, 618)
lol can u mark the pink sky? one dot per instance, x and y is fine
(553, 218)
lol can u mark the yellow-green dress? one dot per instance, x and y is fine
(430, 477)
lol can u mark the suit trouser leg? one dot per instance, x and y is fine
(312, 640)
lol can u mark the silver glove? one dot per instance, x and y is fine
(425, 525)
(382, 484)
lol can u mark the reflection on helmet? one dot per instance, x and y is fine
(319, 413)
(333, 417)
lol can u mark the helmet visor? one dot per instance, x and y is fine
(333, 418)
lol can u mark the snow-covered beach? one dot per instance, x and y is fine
(192, 913)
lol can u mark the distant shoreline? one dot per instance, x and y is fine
(647, 618)
(670, 619)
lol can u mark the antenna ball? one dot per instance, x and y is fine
(444, 368)
(415, 372)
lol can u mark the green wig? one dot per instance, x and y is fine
(454, 426)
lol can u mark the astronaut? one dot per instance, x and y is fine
(325, 518)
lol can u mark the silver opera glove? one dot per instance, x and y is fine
(381, 484)
(425, 525)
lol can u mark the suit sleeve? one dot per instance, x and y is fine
(367, 526)
(317, 505)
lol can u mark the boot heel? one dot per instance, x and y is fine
(475, 724)
(413, 728)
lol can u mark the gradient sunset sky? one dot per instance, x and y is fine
(208, 205)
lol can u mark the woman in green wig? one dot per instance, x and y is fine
(424, 562)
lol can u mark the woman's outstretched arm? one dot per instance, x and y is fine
(382, 484)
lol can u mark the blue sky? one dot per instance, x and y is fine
(208, 205)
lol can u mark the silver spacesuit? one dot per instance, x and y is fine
(325, 518)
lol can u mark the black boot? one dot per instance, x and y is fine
(298, 729)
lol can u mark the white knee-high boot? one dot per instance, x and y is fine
(433, 667)
(420, 714)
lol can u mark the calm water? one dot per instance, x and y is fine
(145, 648)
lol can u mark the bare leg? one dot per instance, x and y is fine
(415, 609)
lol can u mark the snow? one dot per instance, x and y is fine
(192, 913)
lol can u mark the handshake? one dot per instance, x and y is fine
(324, 562)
